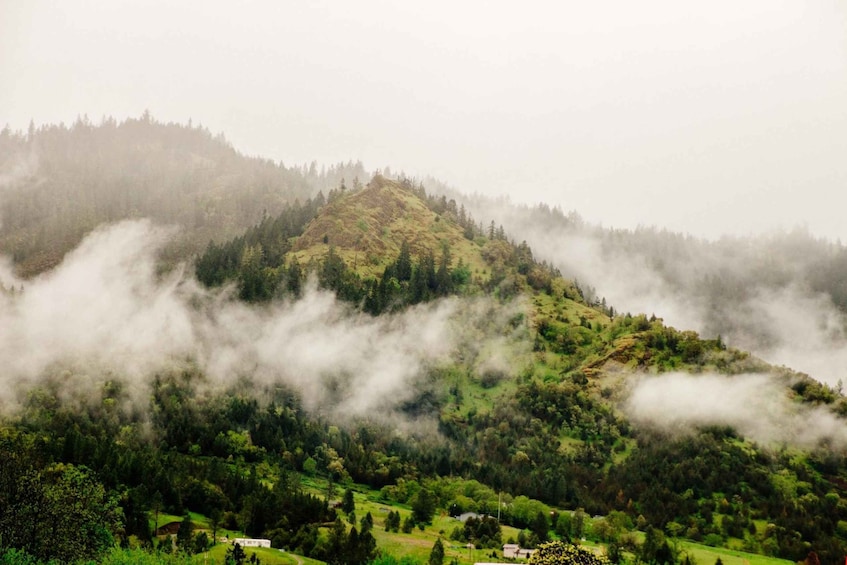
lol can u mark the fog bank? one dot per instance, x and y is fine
(757, 406)
(105, 314)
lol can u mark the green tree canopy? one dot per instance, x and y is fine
(57, 513)
(423, 506)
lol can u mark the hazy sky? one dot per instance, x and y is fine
(707, 117)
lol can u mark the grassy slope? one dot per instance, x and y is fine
(217, 553)
(705, 555)
(418, 544)
(267, 556)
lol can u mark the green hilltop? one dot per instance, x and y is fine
(367, 228)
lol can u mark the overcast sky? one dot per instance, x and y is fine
(708, 117)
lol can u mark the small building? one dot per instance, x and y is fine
(525, 553)
(169, 529)
(252, 542)
(510, 550)
(514, 551)
(467, 515)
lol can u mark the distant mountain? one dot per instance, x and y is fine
(57, 183)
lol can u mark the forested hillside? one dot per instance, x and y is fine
(378, 339)
(779, 294)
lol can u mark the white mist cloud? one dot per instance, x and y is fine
(100, 308)
(105, 314)
(791, 325)
(757, 406)
(627, 282)
(329, 353)
(812, 333)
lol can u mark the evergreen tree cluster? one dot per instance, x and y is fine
(484, 531)
(348, 548)
(406, 282)
(256, 260)
(392, 521)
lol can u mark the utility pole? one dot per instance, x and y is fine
(499, 504)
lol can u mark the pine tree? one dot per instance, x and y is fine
(443, 282)
(183, 535)
(436, 556)
(235, 555)
(348, 504)
(403, 265)
(294, 277)
(540, 526)
(367, 523)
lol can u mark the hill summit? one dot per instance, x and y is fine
(368, 227)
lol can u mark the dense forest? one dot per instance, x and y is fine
(523, 416)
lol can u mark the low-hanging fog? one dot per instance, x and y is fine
(105, 314)
(754, 405)
(753, 292)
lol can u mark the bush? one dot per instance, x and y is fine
(560, 553)
(713, 540)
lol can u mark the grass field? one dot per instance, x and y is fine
(267, 556)
(705, 555)
(418, 543)
(217, 554)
